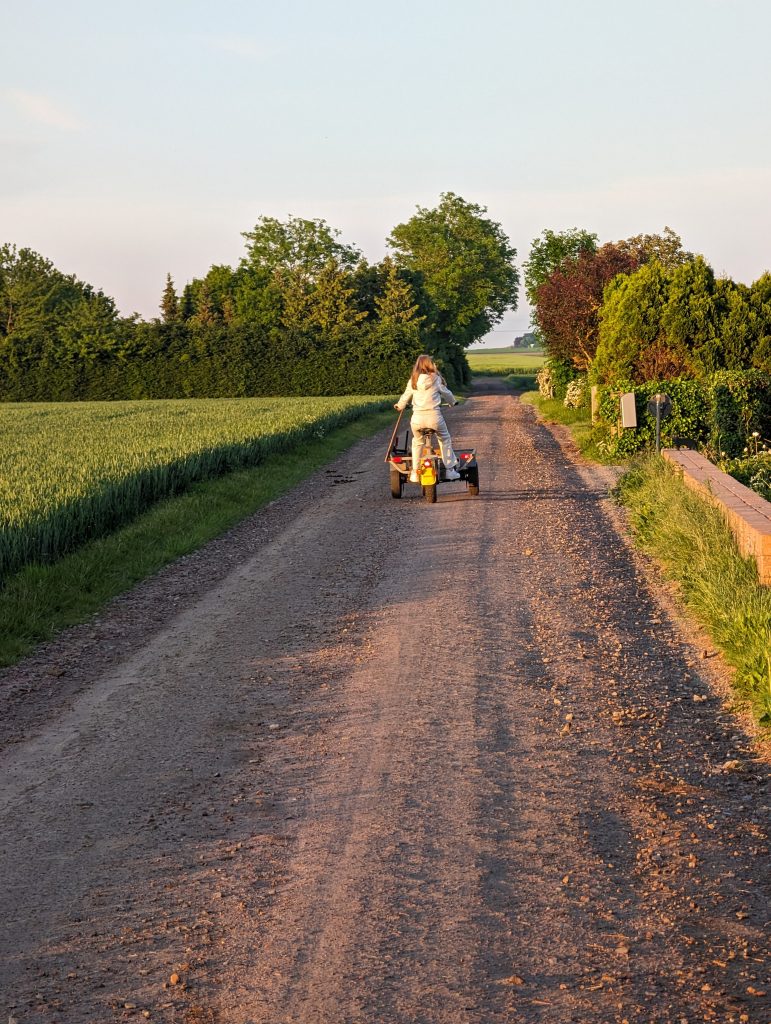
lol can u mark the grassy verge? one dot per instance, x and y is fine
(721, 587)
(587, 437)
(41, 600)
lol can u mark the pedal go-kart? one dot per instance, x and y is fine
(430, 468)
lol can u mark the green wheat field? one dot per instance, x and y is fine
(70, 472)
(501, 361)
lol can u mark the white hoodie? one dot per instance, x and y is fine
(428, 395)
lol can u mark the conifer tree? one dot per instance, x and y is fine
(396, 305)
(169, 303)
(186, 302)
(333, 307)
(205, 312)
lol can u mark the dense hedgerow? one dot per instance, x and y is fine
(721, 412)
(215, 362)
(301, 314)
(739, 406)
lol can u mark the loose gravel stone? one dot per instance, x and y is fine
(415, 839)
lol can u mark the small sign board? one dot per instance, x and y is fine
(628, 410)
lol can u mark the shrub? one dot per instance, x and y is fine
(576, 394)
(554, 377)
(720, 412)
(545, 380)
(739, 404)
(688, 419)
(563, 373)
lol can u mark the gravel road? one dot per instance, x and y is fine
(385, 762)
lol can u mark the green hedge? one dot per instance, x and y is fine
(216, 362)
(740, 403)
(720, 411)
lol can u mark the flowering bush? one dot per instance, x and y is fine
(545, 380)
(575, 396)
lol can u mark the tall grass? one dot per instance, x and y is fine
(70, 472)
(696, 548)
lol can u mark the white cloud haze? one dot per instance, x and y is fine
(43, 110)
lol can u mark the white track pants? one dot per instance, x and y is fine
(435, 420)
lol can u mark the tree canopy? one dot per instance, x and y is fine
(570, 299)
(296, 246)
(667, 248)
(304, 311)
(549, 252)
(680, 320)
(465, 264)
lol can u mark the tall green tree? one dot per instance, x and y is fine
(631, 342)
(206, 313)
(760, 300)
(667, 248)
(397, 305)
(326, 305)
(186, 302)
(692, 315)
(465, 263)
(333, 306)
(663, 322)
(296, 245)
(34, 296)
(91, 332)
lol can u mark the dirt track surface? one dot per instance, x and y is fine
(373, 761)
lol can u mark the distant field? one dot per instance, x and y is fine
(73, 471)
(505, 361)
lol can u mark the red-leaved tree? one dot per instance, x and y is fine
(569, 301)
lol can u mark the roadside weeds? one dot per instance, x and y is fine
(695, 548)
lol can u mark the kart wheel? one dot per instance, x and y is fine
(472, 478)
(430, 492)
(397, 483)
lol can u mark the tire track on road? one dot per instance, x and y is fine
(340, 783)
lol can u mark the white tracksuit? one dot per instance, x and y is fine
(426, 399)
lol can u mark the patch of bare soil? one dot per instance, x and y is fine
(365, 760)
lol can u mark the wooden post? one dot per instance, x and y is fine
(595, 403)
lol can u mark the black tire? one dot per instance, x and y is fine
(397, 483)
(472, 478)
(430, 492)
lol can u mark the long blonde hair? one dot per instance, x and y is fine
(423, 364)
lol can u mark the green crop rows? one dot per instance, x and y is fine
(73, 471)
(510, 361)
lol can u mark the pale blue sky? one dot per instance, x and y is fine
(144, 137)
